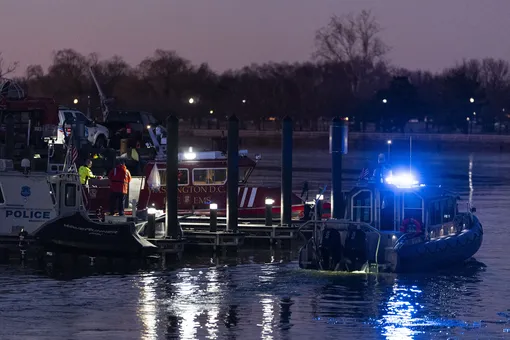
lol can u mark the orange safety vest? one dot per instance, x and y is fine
(119, 179)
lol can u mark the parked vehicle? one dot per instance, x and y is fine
(98, 135)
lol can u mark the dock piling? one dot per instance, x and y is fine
(172, 165)
(232, 173)
(286, 195)
(337, 147)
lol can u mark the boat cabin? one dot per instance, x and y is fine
(387, 207)
(29, 199)
(202, 180)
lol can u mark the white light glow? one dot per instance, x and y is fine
(269, 201)
(319, 197)
(151, 211)
(190, 155)
(213, 206)
(402, 180)
(389, 142)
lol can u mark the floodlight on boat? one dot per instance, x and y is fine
(190, 155)
(402, 180)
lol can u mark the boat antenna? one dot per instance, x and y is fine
(410, 153)
(102, 97)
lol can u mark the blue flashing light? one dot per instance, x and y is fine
(403, 180)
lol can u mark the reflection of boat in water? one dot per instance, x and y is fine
(393, 225)
(48, 209)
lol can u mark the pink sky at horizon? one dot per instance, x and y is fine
(227, 34)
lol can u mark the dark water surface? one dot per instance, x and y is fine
(262, 294)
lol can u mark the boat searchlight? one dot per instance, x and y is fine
(402, 180)
(190, 155)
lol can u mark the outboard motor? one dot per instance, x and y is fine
(330, 249)
(355, 249)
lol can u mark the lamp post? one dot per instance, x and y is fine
(151, 223)
(389, 148)
(269, 211)
(468, 124)
(385, 101)
(213, 212)
(75, 101)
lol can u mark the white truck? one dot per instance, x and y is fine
(98, 135)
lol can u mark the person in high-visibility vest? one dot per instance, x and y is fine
(119, 177)
(85, 172)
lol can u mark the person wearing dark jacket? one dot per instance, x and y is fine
(119, 177)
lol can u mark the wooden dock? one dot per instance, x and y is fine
(254, 229)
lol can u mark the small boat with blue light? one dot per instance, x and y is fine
(393, 224)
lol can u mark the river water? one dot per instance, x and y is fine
(262, 294)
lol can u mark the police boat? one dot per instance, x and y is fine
(393, 224)
(48, 210)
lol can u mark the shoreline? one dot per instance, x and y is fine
(381, 136)
(361, 140)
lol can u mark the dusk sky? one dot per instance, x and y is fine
(428, 34)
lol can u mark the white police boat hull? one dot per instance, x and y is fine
(47, 210)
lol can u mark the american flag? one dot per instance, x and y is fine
(364, 173)
(74, 154)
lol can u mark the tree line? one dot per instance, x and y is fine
(348, 76)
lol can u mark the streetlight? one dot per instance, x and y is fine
(244, 101)
(75, 101)
(471, 100)
(191, 100)
(469, 124)
(389, 147)
(211, 112)
(385, 101)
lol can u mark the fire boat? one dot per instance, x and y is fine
(202, 180)
(393, 224)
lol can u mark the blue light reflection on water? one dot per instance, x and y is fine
(402, 313)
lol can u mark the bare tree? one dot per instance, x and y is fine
(34, 72)
(354, 42)
(5, 68)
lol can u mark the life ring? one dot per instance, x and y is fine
(410, 225)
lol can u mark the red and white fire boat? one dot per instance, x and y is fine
(202, 181)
